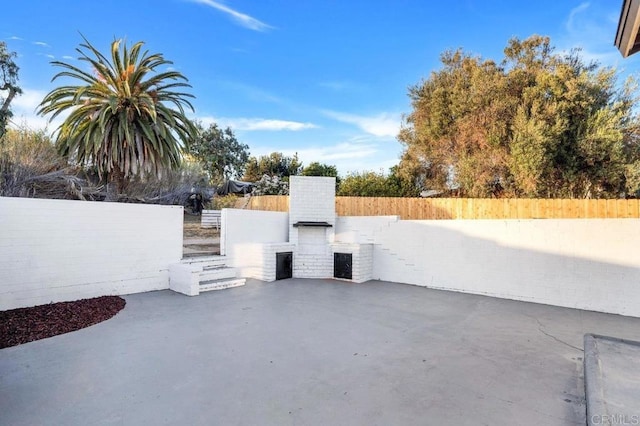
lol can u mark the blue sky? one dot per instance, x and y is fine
(326, 79)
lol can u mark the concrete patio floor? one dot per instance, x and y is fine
(310, 352)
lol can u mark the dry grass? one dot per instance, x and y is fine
(192, 228)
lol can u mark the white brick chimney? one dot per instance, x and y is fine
(312, 220)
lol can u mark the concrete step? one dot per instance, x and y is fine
(221, 284)
(189, 253)
(206, 261)
(219, 273)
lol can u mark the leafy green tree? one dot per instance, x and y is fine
(538, 124)
(219, 152)
(400, 184)
(274, 164)
(8, 85)
(317, 169)
(372, 184)
(363, 184)
(125, 117)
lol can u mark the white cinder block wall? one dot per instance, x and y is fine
(61, 250)
(312, 199)
(588, 264)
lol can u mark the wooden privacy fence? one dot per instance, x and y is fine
(467, 208)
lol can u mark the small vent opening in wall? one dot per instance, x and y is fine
(284, 265)
(342, 265)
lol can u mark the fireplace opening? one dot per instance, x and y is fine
(342, 265)
(284, 265)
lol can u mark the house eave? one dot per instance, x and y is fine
(627, 37)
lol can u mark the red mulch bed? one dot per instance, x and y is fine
(24, 325)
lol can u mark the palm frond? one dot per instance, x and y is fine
(127, 118)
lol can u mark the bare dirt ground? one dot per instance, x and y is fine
(198, 240)
(192, 228)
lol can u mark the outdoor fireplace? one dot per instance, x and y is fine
(312, 218)
(352, 261)
(342, 265)
(311, 250)
(284, 265)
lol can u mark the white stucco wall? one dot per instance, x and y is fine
(60, 250)
(250, 227)
(589, 264)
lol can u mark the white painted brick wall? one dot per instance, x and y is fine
(248, 227)
(361, 229)
(250, 239)
(362, 259)
(313, 257)
(260, 259)
(588, 264)
(60, 250)
(312, 199)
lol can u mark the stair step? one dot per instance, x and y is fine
(221, 284)
(206, 261)
(217, 274)
(189, 253)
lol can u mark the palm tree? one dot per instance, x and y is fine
(121, 118)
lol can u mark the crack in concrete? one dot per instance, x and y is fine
(541, 330)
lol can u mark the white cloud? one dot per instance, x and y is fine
(575, 12)
(337, 152)
(255, 124)
(358, 154)
(241, 18)
(343, 86)
(382, 125)
(24, 112)
(41, 43)
(15, 38)
(67, 57)
(28, 101)
(591, 28)
(265, 124)
(346, 156)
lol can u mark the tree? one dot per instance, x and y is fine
(363, 184)
(8, 85)
(271, 185)
(317, 169)
(274, 164)
(219, 152)
(539, 124)
(400, 184)
(121, 118)
(372, 184)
